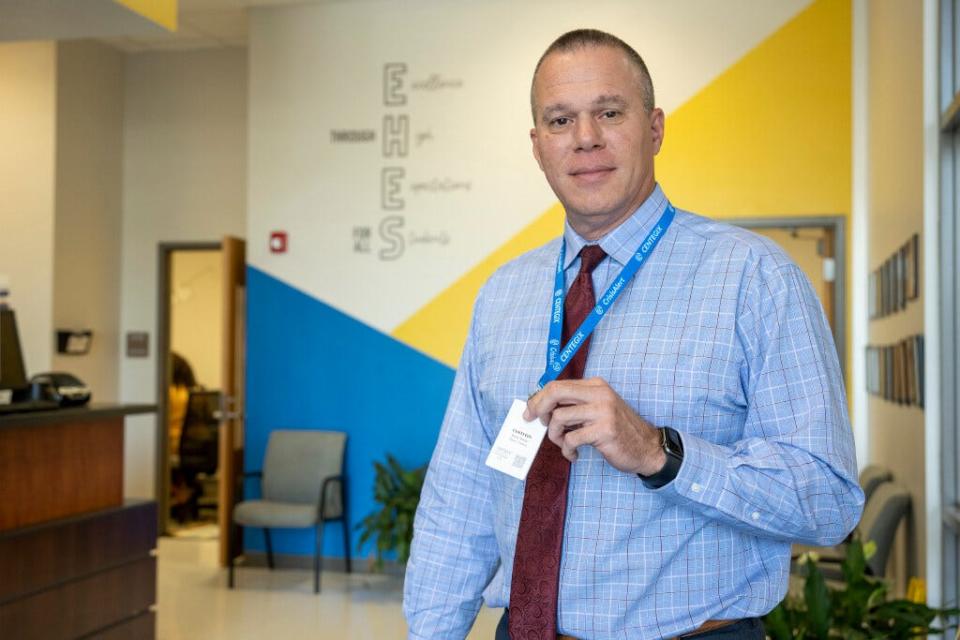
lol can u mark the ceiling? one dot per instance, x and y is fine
(199, 28)
(202, 23)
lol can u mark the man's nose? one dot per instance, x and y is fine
(587, 134)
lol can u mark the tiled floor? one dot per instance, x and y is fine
(195, 604)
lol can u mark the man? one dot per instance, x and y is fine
(708, 433)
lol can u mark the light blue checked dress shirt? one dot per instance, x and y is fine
(719, 336)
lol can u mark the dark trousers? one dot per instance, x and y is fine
(746, 629)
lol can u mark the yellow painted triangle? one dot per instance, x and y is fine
(771, 135)
(439, 329)
(162, 12)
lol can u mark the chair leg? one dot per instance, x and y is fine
(318, 558)
(231, 554)
(346, 544)
(266, 536)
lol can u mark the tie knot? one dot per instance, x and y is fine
(590, 257)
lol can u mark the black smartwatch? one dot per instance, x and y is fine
(673, 448)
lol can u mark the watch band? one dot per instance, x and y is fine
(673, 448)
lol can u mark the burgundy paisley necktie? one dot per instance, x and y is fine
(536, 563)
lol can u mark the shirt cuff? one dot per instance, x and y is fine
(701, 475)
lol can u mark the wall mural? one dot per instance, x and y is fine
(391, 144)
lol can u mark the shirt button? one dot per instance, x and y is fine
(755, 515)
(696, 487)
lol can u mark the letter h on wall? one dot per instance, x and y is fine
(396, 136)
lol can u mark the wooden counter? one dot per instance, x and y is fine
(55, 464)
(75, 559)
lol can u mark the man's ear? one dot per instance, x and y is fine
(657, 125)
(536, 149)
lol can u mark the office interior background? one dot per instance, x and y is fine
(374, 158)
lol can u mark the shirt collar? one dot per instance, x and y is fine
(622, 242)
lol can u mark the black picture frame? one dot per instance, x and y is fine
(912, 251)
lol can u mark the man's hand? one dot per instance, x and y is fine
(589, 412)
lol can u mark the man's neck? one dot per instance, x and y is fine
(592, 228)
(595, 232)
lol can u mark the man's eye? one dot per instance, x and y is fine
(560, 122)
(611, 113)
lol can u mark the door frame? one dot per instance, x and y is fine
(838, 223)
(165, 252)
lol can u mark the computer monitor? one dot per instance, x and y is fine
(13, 374)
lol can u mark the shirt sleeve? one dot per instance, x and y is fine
(792, 476)
(454, 553)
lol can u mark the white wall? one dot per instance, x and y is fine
(196, 312)
(319, 68)
(895, 184)
(86, 284)
(185, 158)
(27, 150)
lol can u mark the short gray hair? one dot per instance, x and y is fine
(582, 38)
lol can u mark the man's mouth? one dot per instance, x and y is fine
(591, 174)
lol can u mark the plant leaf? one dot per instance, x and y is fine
(776, 625)
(817, 601)
(397, 491)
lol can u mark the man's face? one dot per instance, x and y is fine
(592, 137)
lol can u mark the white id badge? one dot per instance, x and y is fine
(517, 443)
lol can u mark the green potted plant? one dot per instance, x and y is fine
(856, 610)
(397, 490)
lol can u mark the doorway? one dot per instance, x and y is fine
(200, 346)
(818, 245)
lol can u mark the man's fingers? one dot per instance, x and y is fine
(564, 417)
(567, 392)
(577, 438)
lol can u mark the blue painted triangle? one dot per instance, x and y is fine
(311, 366)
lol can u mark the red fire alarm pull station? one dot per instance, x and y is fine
(278, 242)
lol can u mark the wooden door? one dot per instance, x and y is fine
(828, 253)
(232, 385)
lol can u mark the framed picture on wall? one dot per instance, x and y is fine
(878, 359)
(885, 368)
(872, 295)
(918, 346)
(892, 355)
(882, 285)
(912, 255)
(892, 283)
(875, 352)
(878, 381)
(891, 371)
(900, 259)
(897, 375)
(887, 289)
(879, 275)
(901, 280)
(904, 370)
(911, 372)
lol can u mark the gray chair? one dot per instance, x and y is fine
(889, 505)
(872, 476)
(302, 485)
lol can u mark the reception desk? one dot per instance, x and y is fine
(75, 558)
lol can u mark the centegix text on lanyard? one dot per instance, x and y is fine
(558, 358)
(517, 443)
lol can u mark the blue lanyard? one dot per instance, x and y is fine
(558, 358)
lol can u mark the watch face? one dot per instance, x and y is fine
(673, 448)
(672, 444)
